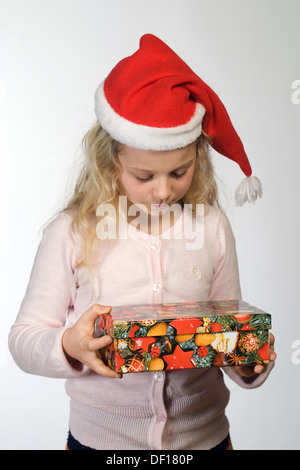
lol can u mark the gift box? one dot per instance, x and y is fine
(186, 335)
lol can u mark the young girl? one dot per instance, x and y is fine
(149, 148)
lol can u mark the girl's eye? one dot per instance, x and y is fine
(179, 175)
(144, 180)
(174, 175)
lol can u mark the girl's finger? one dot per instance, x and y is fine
(258, 369)
(103, 369)
(93, 344)
(96, 364)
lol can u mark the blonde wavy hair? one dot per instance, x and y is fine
(98, 183)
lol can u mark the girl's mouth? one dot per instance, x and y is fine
(159, 207)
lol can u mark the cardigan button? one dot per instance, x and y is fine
(155, 245)
(197, 273)
(159, 376)
(161, 418)
(156, 287)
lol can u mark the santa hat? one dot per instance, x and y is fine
(152, 100)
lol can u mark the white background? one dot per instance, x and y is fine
(53, 55)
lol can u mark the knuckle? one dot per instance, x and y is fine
(89, 344)
(95, 308)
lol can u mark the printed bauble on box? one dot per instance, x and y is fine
(186, 335)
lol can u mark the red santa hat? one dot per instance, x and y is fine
(153, 100)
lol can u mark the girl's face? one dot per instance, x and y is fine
(156, 179)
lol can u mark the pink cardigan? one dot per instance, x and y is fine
(153, 410)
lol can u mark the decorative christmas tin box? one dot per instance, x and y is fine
(186, 336)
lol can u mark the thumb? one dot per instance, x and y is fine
(95, 311)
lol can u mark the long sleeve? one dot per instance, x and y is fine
(225, 283)
(35, 339)
(226, 286)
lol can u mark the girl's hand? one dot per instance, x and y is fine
(250, 371)
(78, 342)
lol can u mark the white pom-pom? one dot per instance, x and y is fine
(248, 190)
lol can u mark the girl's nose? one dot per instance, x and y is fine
(163, 191)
